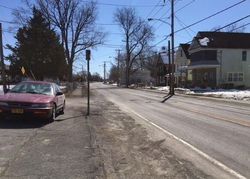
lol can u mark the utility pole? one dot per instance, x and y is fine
(88, 77)
(118, 66)
(104, 71)
(172, 40)
(169, 65)
(2, 60)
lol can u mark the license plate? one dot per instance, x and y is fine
(17, 111)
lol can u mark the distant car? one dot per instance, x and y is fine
(33, 98)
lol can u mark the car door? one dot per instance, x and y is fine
(60, 98)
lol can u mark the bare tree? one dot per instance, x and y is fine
(235, 28)
(75, 21)
(137, 34)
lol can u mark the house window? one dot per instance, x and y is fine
(241, 76)
(244, 55)
(230, 77)
(181, 53)
(234, 77)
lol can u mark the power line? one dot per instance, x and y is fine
(6, 7)
(244, 25)
(206, 18)
(155, 6)
(183, 25)
(120, 5)
(8, 22)
(191, 2)
(161, 23)
(234, 22)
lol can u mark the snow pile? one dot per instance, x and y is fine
(164, 88)
(220, 93)
(204, 41)
(229, 94)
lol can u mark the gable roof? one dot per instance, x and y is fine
(185, 48)
(221, 40)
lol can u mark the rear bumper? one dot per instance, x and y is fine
(26, 112)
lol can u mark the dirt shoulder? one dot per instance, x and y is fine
(128, 151)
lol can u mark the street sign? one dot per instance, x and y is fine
(88, 54)
(23, 70)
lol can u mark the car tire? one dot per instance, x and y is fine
(53, 114)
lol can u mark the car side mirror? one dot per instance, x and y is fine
(59, 93)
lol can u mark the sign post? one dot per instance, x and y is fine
(88, 53)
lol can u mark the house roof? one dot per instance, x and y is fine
(221, 40)
(185, 48)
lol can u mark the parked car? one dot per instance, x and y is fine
(38, 99)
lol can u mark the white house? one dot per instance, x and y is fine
(220, 59)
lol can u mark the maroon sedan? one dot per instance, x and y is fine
(33, 98)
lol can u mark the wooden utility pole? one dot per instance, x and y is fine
(104, 71)
(88, 54)
(118, 66)
(2, 61)
(172, 40)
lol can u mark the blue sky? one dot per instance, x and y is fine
(188, 12)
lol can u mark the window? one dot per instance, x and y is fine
(240, 76)
(230, 77)
(233, 77)
(244, 55)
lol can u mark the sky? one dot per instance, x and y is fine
(186, 12)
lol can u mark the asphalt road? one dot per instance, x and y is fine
(219, 129)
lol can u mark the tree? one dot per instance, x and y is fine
(137, 34)
(76, 23)
(38, 50)
(114, 73)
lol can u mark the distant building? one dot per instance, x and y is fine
(220, 59)
(182, 60)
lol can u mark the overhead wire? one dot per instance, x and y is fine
(234, 22)
(199, 21)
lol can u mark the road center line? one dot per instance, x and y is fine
(209, 158)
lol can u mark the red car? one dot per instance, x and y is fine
(33, 98)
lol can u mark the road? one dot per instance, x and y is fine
(219, 129)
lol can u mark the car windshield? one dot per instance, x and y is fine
(33, 88)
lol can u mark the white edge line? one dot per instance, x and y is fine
(212, 160)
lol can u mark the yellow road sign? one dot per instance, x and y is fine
(23, 70)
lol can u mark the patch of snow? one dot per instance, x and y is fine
(222, 93)
(163, 88)
(204, 41)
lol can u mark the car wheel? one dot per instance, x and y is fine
(53, 114)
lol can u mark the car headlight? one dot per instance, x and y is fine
(3, 104)
(41, 105)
